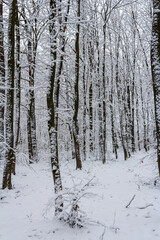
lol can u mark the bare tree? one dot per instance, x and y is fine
(53, 134)
(155, 58)
(10, 153)
(2, 82)
(76, 89)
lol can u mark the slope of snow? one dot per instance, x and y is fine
(27, 211)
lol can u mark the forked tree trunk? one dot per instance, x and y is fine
(10, 154)
(155, 59)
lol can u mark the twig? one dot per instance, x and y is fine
(149, 205)
(102, 236)
(130, 201)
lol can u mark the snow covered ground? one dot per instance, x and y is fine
(27, 211)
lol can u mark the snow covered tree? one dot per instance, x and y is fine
(10, 153)
(155, 57)
(32, 44)
(76, 89)
(2, 82)
(53, 134)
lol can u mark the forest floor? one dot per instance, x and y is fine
(27, 211)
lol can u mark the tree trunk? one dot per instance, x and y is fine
(18, 80)
(31, 118)
(10, 154)
(32, 43)
(104, 93)
(91, 56)
(137, 120)
(76, 89)
(85, 99)
(2, 83)
(18, 87)
(53, 134)
(155, 59)
(114, 137)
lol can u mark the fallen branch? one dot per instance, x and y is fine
(130, 201)
(149, 205)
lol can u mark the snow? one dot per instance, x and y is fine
(27, 211)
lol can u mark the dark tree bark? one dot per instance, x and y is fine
(76, 89)
(137, 120)
(10, 154)
(114, 137)
(133, 86)
(62, 22)
(155, 59)
(53, 134)
(91, 57)
(32, 44)
(17, 85)
(85, 98)
(2, 83)
(18, 80)
(100, 116)
(104, 91)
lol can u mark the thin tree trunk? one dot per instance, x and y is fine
(62, 53)
(51, 111)
(31, 116)
(18, 87)
(85, 99)
(114, 138)
(91, 56)
(100, 116)
(137, 120)
(104, 92)
(144, 118)
(2, 83)
(10, 154)
(155, 59)
(18, 83)
(76, 89)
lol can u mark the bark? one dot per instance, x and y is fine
(62, 37)
(137, 120)
(18, 80)
(91, 56)
(104, 91)
(2, 83)
(31, 56)
(10, 154)
(155, 59)
(100, 116)
(18, 86)
(53, 134)
(76, 91)
(114, 137)
(85, 99)
(144, 118)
